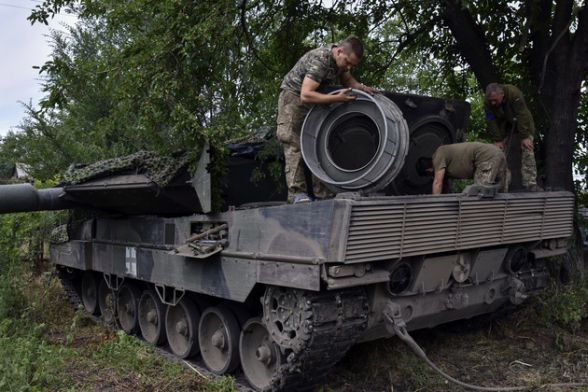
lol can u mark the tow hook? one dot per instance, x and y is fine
(517, 291)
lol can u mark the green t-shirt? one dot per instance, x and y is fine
(460, 160)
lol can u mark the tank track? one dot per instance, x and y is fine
(334, 321)
(70, 289)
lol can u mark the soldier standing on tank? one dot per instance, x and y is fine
(505, 107)
(301, 88)
(484, 163)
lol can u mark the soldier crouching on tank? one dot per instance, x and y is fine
(300, 90)
(505, 107)
(484, 163)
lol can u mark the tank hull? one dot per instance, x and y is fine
(434, 258)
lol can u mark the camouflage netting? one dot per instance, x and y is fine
(59, 235)
(160, 169)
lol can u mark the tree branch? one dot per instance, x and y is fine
(249, 41)
(553, 45)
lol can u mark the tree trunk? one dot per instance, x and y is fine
(471, 42)
(561, 82)
(560, 135)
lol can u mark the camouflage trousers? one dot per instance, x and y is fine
(492, 171)
(291, 115)
(528, 164)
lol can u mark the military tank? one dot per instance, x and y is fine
(279, 292)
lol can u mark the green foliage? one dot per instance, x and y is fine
(12, 301)
(27, 361)
(128, 355)
(565, 306)
(122, 350)
(157, 76)
(27, 302)
(75, 325)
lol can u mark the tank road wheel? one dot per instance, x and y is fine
(218, 335)
(181, 324)
(238, 310)
(260, 356)
(128, 307)
(107, 302)
(286, 316)
(90, 292)
(152, 318)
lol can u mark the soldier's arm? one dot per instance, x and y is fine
(438, 181)
(349, 81)
(309, 95)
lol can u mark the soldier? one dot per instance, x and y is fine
(482, 162)
(300, 89)
(505, 107)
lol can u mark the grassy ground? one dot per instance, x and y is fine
(64, 351)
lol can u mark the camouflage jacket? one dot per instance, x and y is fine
(498, 118)
(318, 64)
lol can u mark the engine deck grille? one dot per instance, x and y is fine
(379, 231)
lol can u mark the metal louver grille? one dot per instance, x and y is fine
(405, 228)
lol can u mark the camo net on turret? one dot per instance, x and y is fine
(160, 169)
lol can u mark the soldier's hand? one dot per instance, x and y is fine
(344, 97)
(527, 144)
(369, 90)
(499, 145)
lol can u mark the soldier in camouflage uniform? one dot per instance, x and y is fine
(484, 163)
(300, 89)
(504, 106)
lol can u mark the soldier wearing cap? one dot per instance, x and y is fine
(301, 88)
(505, 108)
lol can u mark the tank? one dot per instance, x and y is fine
(277, 292)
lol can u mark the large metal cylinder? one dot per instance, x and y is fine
(356, 146)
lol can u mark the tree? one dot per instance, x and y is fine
(186, 71)
(171, 74)
(50, 140)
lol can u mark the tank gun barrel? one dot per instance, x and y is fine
(25, 198)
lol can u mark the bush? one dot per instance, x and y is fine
(564, 306)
